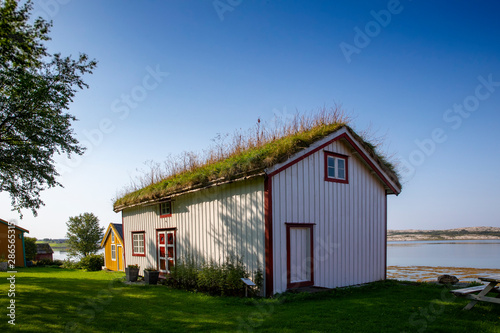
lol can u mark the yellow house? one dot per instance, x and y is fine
(12, 242)
(112, 242)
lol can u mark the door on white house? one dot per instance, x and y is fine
(166, 250)
(300, 268)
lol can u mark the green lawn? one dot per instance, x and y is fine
(59, 300)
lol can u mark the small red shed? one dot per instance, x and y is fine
(43, 251)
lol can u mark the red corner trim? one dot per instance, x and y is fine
(124, 255)
(385, 254)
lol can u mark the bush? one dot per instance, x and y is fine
(57, 262)
(259, 282)
(48, 262)
(210, 278)
(30, 248)
(184, 275)
(70, 264)
(223, 279)
(233, 271)
(93, 262)
(44, 262)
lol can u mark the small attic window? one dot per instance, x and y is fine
(112, 237)
(166, 209)
(336, 168)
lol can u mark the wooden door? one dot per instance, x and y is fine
(119, 258)
(299, 255)
(166, 250)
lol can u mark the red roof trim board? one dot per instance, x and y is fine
(370, 163)
(358, 149)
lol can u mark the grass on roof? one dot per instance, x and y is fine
(245, 156)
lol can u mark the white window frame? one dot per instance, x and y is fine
(332, 161)
(112, 237)
(137, 239)
(113, 252)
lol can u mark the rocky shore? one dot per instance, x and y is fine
(430, 274)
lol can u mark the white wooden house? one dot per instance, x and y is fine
(317, 219)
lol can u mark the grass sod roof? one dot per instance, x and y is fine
(248, 162)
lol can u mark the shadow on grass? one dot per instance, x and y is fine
(101, 303)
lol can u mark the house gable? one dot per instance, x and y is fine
(390, 182)
(117, 230)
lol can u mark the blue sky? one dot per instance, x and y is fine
(173, 74)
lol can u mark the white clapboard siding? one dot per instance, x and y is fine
(210, 224)
(350, 221)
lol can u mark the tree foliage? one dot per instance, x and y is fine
(36, 89)
(30, 248)
(84, 235)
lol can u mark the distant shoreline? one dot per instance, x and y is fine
(413, 239)
(470, 233)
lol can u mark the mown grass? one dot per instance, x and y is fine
(60, 300)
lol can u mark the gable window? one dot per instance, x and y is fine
(336, 168)
(138, 244)
(166, 209)
(113, 252)
(112, 237)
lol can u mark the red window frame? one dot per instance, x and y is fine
(144, 243)
(346, 162)
(165, 215)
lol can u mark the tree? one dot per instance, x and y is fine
(84, 235)
(35, 90)
(30, 248)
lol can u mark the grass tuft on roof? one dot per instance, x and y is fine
(247, 155)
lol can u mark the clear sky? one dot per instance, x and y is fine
(173, 74)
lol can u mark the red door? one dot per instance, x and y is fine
(166, 250)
